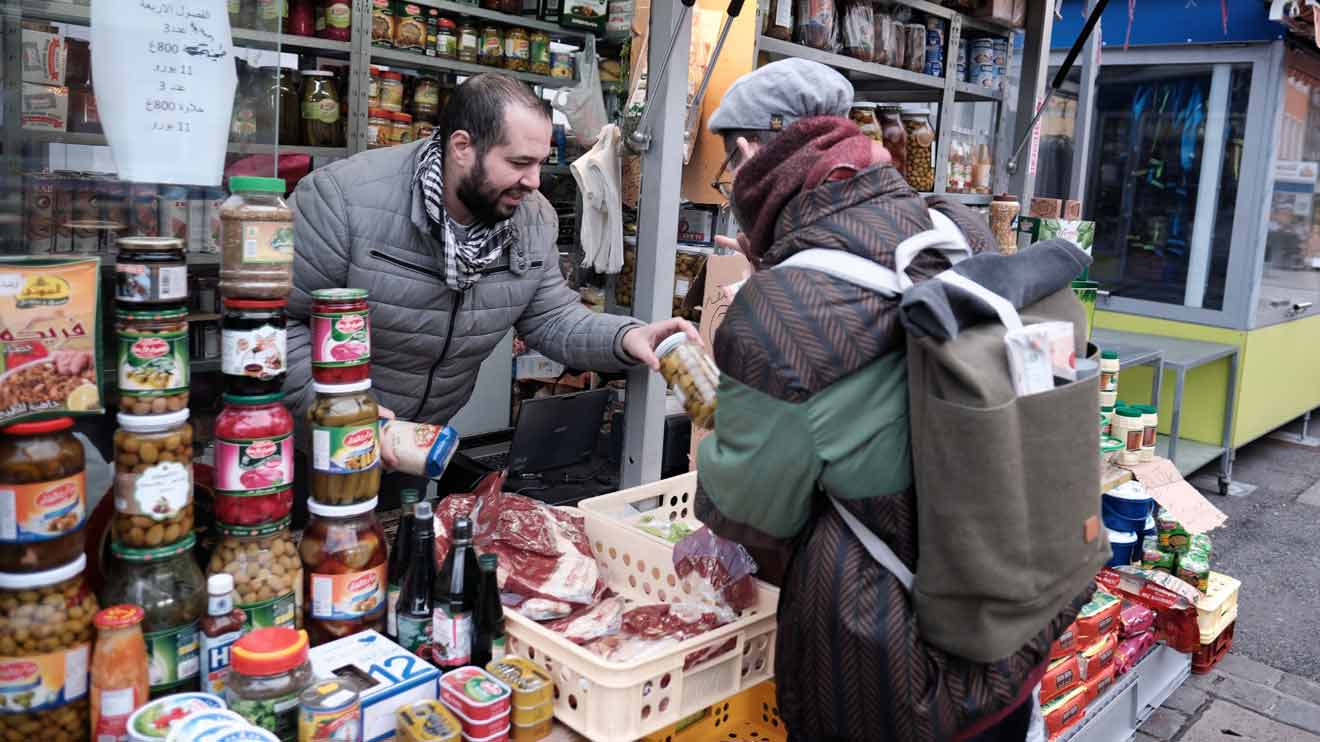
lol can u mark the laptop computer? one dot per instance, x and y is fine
(551, 432)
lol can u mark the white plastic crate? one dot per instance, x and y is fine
(657, 503)
(622, 702)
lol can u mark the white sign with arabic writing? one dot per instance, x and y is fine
(165, 84)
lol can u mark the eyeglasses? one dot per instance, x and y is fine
(722, 183)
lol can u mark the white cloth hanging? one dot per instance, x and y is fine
(598, 177)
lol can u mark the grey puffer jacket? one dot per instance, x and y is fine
(359, 223)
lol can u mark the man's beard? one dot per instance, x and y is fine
(481, 198)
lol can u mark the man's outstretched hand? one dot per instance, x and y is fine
(640, 342)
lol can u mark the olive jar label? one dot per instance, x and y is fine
(153, 365)
(348, 596)
(160, 493)
(43, 510)
(173, 656)
(44, 681)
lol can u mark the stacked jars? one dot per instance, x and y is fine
(254, 449)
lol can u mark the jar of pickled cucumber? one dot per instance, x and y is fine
(692, 374)
(345, 443)
(153, 480)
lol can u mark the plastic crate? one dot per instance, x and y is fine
(621, 702)
(750, 716)
(665, 501)
(1219, 607)
(1209, 655)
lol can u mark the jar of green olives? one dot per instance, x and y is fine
(345, 428)
(43, 489)
(153, 479)
(693, 376)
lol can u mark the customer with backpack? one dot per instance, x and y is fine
(813, 405)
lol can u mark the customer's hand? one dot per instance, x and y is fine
(640, 342)
(386, 446)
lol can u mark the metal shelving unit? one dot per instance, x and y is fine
(413, 59)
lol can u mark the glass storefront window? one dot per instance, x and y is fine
(1057, 140)
(1167, 162)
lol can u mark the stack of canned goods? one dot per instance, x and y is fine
(984, 62)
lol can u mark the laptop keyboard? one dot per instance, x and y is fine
(496, 461)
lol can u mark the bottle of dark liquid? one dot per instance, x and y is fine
(489, 642)
(400, 558)
(414, 608)
(453, 598)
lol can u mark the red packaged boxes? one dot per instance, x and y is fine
(1095, 658)
(1097, 618)
(1066, 644)
(1062, 676)
(1064, 712)
(1096, 686)
(479, 700)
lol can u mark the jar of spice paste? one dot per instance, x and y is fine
(268, 576)
(151, 270)
(391, 91)
(152, 360)
(43, 489)
(169, 586)
(254, 345)
(46, 621)
(268, 670)
(344, 558)
(380, 123)
(253, 448)
(341, 336)
(153, 479)
(256, 227)
(345, 443)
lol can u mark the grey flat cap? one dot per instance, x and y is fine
(780, 93)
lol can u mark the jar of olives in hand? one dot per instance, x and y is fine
(42, 476)
(344, 560)
(45, 621)
(345, 443)
(693, 375)
(153, 479)
(152, 360)
(267, 573)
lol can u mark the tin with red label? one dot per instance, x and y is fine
(329, 711)
(475, 694)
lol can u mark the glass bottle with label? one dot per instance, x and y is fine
(256, 228)
(489, 642)
(221, 627)
(400, 556)
(453, 597)
(120, 681)
(415, 608)
(344, 559)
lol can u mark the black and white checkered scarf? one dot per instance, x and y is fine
(464, 259)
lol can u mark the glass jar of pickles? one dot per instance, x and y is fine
(446, 39)
(491, 52)
(426, 98)
(153, 479)
(152, 360)
(920, 155)
(344, 561)
(469, 42)
(42, 474)
(45, 621)
(345, 443)
(517, 49)
(268, 575)
(540, 53)
(692, 374)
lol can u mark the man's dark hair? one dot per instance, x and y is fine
(477, 107)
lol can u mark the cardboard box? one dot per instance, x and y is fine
(1072, 211)
(43, 56)
(45, 107)
(1046, 208)
(385, 675)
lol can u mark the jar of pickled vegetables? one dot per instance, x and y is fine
(341, 336)
(43, 489)
(253, 459)
(446, 39)
(426, 97)
(345, 443)
(517, 49)
(491, 52)
(267, 672)
(153, 480)
(169, 586)
(45, 621)
(692, 374)
(344, 561)
(268, 576)
(540, 53)
(469, 42)
(152, 360)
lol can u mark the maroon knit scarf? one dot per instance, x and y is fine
(801, 157)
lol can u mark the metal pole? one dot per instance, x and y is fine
(657, 230)
(1031, 91)
(1085, 123)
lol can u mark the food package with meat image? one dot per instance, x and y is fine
(720, 570)
(1134, 619)
(49, 337)
(1131, 651)
(546, 568)
(650, 630)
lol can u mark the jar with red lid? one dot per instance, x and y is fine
(43, 490)
(253, 459)
(253, 346)
(341, 336)
(268, 669)
(336, 21)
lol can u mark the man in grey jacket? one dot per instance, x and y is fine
(455, 245)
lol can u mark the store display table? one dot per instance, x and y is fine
(1133, 698)
(1182, 356)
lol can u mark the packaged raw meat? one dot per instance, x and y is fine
(720, 570)
(590, 623)
(653, 629)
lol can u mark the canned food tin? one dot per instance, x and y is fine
(933, 68)
(329, 711)
(981, 51)
(982, 75)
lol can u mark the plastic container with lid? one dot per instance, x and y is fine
(254, 345)
(268, 576)
(380, 126)
(1128, 428)
(391, 90)
(1150, 425)
(46, 620)
(151, 270)
(340, 326)
(476, 694)
(152, 360)
(693, 375)
(402, 131)
(269, 669)
(426, 721)
(329, 711)
(194, 726)
(253, 448)
(43, 488)
(155, 722)
(153, 479)
(169, 586)
(345, 428)
(1109, 368)
(256, 228)
(120, 683)
(344, 557)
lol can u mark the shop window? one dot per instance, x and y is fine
(1167, 165)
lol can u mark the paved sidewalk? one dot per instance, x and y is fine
(1241, 700)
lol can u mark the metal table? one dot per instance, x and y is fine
(1182, 356)
(1133, 354)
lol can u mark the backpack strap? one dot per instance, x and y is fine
(875, 546)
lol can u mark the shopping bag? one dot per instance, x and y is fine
(584, 104)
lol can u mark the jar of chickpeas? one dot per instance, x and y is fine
(153, 480)
(45, 622)
(267, 572)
